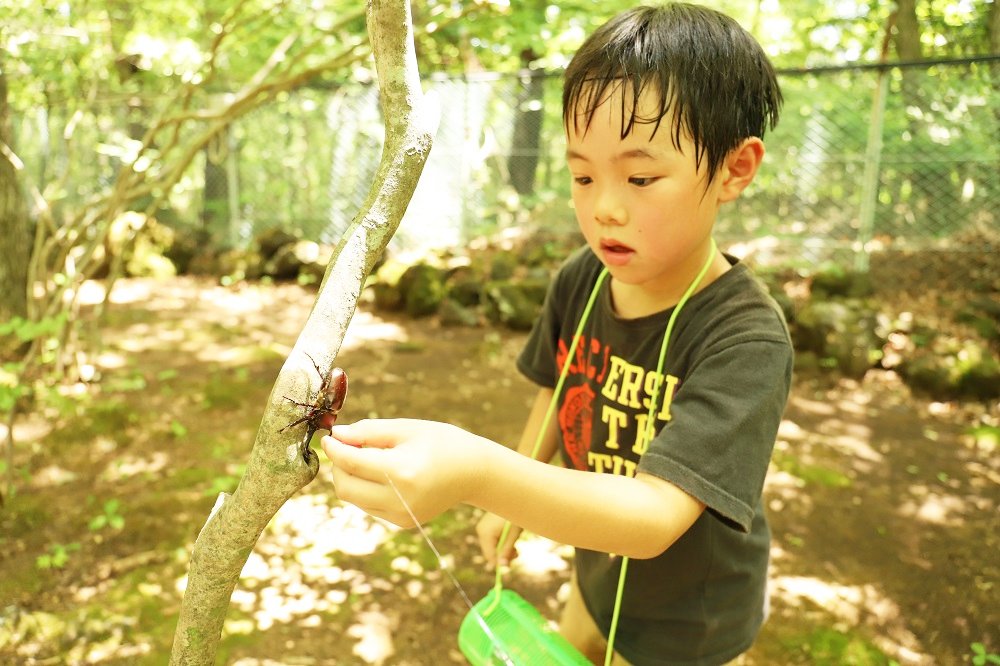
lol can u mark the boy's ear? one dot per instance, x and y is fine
(740, 167)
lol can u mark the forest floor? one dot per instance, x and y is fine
(883, 505)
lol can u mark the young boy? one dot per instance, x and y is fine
(664, 110)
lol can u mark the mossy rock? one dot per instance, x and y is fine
(453, 313)
(289, 261)
(147, 260)
(422, 289)
(503, 265)
(188, 244)
(841, 333)
(465, 288)
(239, 265)
(970, 371)
(269, 241)
(928, 375)
(832, 280)
(983, 316)
(981, 380)
(386, 297)
(515, 304)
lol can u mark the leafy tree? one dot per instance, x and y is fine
(67, 56)
(13, 220)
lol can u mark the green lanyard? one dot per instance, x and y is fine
(650, 421)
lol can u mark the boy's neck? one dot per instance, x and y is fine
(632, 301)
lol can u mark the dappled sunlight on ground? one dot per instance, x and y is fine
(321, 559)
(883, 507)
(292, 574)
(206, 321)
(864, 496)
(538, 556)
(854, 605)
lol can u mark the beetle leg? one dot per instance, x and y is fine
(304, 448)
(316, 365)
(295, 423)
(300, 404)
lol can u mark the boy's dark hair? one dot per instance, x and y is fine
(709, 73)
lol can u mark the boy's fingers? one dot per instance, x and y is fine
(369, 433)
(354, 460)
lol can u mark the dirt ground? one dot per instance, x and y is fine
(883, 505)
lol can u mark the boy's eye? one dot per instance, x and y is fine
(642, 181)
(582, 180)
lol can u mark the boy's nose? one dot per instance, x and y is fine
(608, 208)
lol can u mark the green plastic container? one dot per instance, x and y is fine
(515, 634)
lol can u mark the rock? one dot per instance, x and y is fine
(983, 316)
(386, 296)
(843, 331)
(147, 255)
(832, 280)
(239, 265)
(465, 288)
(422, 289)
(269, 241)
(515, 304)
(503, 265)
(289, 260)
(948, 372)
(981, 380)
(453, 313)
(187, 245)
(926, 374)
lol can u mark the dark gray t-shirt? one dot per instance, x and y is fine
(726, 377)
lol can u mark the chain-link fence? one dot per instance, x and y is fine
(863, 157)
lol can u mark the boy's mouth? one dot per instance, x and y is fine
(615, 253)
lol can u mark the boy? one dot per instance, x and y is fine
(664, 110)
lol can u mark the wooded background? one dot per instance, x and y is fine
(889, 133)
(192, 134)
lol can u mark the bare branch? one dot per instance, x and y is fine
(276, 469)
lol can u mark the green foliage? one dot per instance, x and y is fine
(178, 429)
(810, 473)
(10, 389)
(981, 657)
(829, 647)
(226, 483)
(26, 330)
(985, 436)
(109, 517)
(57, 556)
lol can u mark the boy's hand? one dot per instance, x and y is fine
(489, 528)
(433, 466)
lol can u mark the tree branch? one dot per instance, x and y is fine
(276, 470)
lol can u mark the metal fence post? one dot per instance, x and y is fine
(870, 182)
(233, 176)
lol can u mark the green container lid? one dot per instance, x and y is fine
(511, 632)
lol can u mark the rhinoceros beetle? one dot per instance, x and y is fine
(321, 414)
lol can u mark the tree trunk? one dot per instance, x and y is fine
(993, 33)
(276, 470)
(907, 37)
(15, 240)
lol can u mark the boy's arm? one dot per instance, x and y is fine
(639, 517)
(550, 440)
(436, 466)
(490, 527)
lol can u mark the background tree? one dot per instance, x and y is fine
(13, 219)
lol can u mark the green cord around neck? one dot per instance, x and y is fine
(651, 430)
(648, 434)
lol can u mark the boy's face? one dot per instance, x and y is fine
(646, 211)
